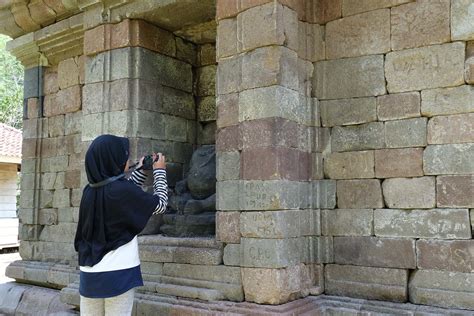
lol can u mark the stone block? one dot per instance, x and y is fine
(228, 165)
(50, 84)
(277, 25)
(462, 15)
(450, 255)
(219, 274)
(347, 222)
(469, 71)
(62, 198)
(228, 227)
(227, 110)
(442, 288)
(278, 224)
(348, 111)
(206, 109)
(226, 38)
(455, 191)
(321, 139)
(30, 128)
(319, 250)
(228, 195)
(447, 101)
(229, 75)
(175, 128)
(399, 163)
(260, 253)
(359, 35)
(323, 194)
(232, 255)
(73, 123)
(273, 195)
(68, 73)
(186, 51)
(274, 101)
(323, 11)
(228, 139)
(32, 108)
(359, 194)
(375, 252)
(398, 106)
(425, 68)
(48, 216)
(350, 7)
(206, 80)
(56, 126)
(65, 101)
(272, 286)
(317, 169)
(10, 298)
(435, 223)
(409, 192)
(406, 133)
(72, 179)
(366, 282)
(271, 65)
(350, 165)
(451, 129)
(360, 137)
(311, 42)
(420, 23)
(349, 78)
(449, 159)
(31, 88)
(275, 163)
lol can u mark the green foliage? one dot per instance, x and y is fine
(11, 87)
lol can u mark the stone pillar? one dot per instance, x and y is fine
(266, 132)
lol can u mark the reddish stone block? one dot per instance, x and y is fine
(72, 179)
(97, 40)
(399, 163)
(228, 227)
(226, 8)
(227, 110)
(451, 255)
(32, 108)
(270, 132)
(228, 139)
(455, 191)
(323, 11)
(69, 100)
(271, 163)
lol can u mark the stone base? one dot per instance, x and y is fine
(189, 225)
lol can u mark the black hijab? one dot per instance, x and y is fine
(113, 210)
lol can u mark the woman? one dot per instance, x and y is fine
(112, 212)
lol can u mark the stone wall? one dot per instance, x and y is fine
(393, 94)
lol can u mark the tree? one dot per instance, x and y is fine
(11, 87)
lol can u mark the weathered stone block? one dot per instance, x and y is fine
(451, 129)
(447, 101)
(228, 227)
(319, 250)
(420, 23)
(359, 194)
(232, 255)
(228, 139)
(469, 71)
(375, 252)
(226, 38)
(360, 137)
(350, 165)
(442, 288)
(451, 255)
(227, 110)
(201, 272)
(274, 101)
(206, 80)
(366, 282)
(317, 169)
(50, 85)
(32, 108)
(455, 191)
(272, 286)
(406, 133)
(229, 75)
(271, 65)
(346, 222)
(350, 7)
(73, 123)
(228, 165)
(323, 194)
(424, 68)
(311, 41)
(48, 216)
(399, 163)
(359, 35)
(347, 111)
(398, 106)
(277, 25)
(323, 11)
(436, 223)
(260, 253)
(462, 15)
(449, 159)
(409, 192)
(56, 126)
(228, 195)
(62, 198)
(68, 73)
(350, 77)
(206, 109)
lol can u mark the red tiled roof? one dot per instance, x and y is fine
(10, 141)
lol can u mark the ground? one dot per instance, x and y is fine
(6, 258)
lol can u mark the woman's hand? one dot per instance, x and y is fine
(159, 161)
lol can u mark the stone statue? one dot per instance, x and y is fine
(193, 202)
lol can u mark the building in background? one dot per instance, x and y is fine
(10, 164)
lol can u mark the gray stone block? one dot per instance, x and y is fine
(366, 282)
(31, 81)
(260, 253)
(442, 288)
(347, 222)
(435, 223)
(228, 165)
(10, 296)
(375, 252)
(361, 137)
(221, 274)
(228, 195)
(398, 106)
(445, 101)
(348, 111)
(449, 159)
(323, 194)
(232, 255)
(409, 193)
(319, 250)
(406, 133)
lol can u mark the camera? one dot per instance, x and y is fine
(148, 162)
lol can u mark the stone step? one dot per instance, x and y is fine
(189, 292)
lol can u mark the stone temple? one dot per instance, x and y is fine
(342, 133)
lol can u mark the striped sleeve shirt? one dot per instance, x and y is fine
(160, 186)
